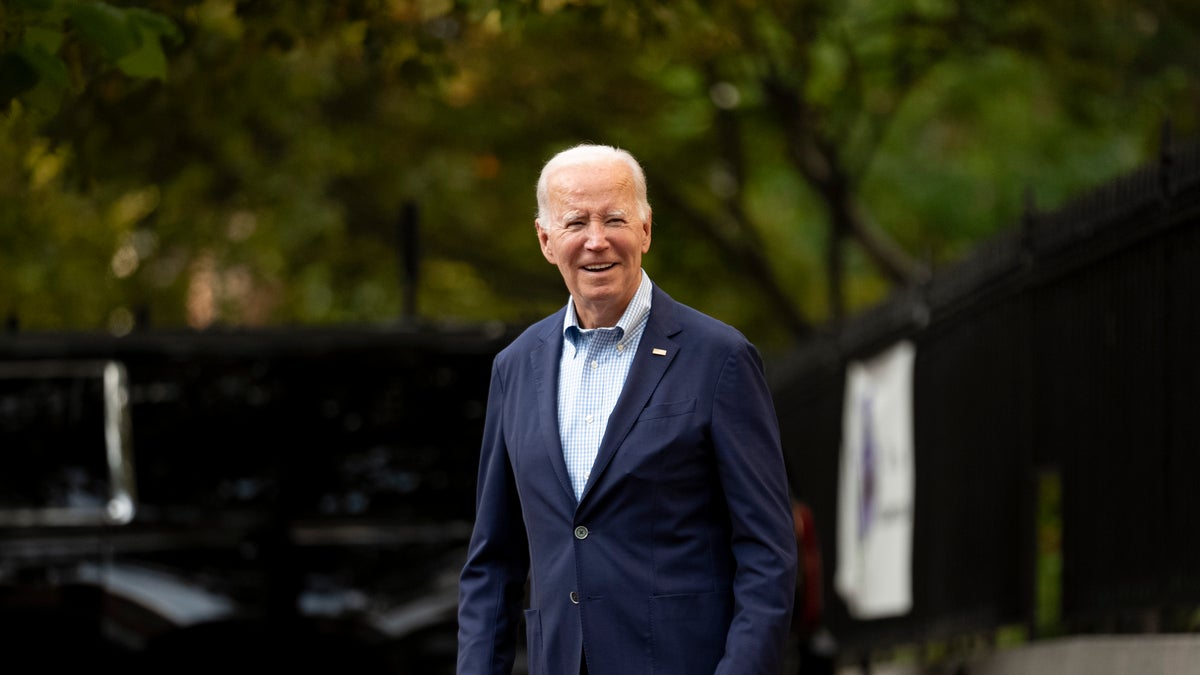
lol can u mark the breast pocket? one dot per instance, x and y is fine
(661, 410)
(667, 444)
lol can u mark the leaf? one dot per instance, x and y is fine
(17, 76)
(49, 39)
(147, 60)
(47, 65)
(132, 38)
(107, 28)
(35, 76)
(24, 67)
(154, 23)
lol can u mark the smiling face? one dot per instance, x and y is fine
(593, 230)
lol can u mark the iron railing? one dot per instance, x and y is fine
(1056, 388)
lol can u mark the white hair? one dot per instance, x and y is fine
(587, 154)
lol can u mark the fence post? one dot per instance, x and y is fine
(1166, 160)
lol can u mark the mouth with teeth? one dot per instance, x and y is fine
(600, 267)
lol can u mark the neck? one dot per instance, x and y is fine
(595, 317)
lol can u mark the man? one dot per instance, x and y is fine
(630, 469)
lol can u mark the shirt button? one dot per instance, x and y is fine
(574, 598)
(621, 348)
(581, 532)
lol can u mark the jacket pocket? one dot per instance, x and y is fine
(668, 409)
(687, 632)
(533, 642)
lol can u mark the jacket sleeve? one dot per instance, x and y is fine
(751, 468)
(492, 583)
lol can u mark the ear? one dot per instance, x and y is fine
(646, 232)
(544, 242)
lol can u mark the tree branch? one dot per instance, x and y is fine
(749, 259)
(818, 162)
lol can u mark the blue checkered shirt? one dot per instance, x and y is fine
(594, 365)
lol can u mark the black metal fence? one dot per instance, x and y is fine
(1056, 422)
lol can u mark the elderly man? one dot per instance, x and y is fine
(630, 468)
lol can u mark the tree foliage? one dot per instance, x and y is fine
(216, 162)
(46, 44)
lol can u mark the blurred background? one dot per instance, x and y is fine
(255, 258)
(218, 163)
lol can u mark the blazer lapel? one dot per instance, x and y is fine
(544, 363)
(655, 353)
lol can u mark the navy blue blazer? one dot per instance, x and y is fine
(680, 556)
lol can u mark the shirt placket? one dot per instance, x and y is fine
(591, 402)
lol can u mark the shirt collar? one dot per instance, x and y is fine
(634, 315)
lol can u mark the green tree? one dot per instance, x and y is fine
(50, 45)
(806, 158)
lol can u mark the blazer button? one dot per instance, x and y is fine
(574, 598)
(581, 532)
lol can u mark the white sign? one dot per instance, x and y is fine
(875, 496)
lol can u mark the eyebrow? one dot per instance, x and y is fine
(577, 214)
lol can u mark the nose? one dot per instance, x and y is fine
(597, 236)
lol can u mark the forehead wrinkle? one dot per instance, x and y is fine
(569, 186)
(565, 184)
